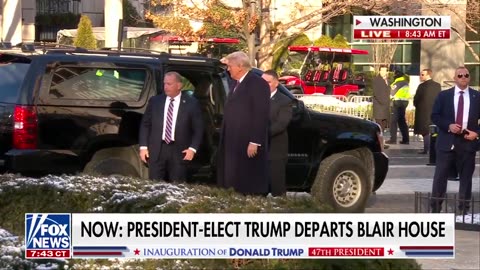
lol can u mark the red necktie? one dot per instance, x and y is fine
(168, 128)
(459, 120)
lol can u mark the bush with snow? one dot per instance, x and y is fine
(76, 194)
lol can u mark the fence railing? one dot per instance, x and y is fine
(357, 106)
(338, 104)
(47, 33)
(469, 220)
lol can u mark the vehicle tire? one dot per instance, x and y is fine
(114, 161)
(342, 183)
(350, 97)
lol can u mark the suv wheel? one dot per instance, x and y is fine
(342, 182)
(113, 161)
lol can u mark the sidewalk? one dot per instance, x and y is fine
(467, 243)
(416, 142)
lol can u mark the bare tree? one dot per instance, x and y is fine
(382, 52)
(470, 20)
(253, 21)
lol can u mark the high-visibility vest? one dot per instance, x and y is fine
(100, 73)
(404, 92)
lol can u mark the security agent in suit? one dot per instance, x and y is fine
(171, 131)
(280, 116)
(456, 112)
(423, 100)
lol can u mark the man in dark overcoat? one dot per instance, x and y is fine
(423, 101)
(243, 151)
(381, 99)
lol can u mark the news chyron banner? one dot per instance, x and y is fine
(401, 27)
(262, 236)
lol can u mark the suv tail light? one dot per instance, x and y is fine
(25, 127)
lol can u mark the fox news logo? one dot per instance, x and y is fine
(47, 235)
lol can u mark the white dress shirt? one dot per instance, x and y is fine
(273, 93)
(176, 105)
(243, 77)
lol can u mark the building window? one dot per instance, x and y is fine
(76, 6)
(58, 6)
(469, 57)
(472, 64)
(406, 56)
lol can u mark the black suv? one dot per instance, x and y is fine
(70, 111)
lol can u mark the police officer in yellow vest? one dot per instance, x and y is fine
(400, 94)
(101, 72)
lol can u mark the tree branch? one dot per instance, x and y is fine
(470, 48)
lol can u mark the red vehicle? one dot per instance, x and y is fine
(312, 69)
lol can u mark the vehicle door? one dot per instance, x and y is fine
(300, 145)
(202, 80)
(88, 102)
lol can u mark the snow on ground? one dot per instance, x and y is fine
(108, 191)
(118, 189)
(121, 188)
(10, 251)
(469, 219)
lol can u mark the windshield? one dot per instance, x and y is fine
(294, 62)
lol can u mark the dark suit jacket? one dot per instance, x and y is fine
(443, 114)
(423, 102)
(188, 127)
(280, 116)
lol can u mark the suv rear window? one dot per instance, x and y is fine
(11, 78)
(89, 83)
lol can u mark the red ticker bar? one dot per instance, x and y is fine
(346, 252)
(401, 34)
(47, 253)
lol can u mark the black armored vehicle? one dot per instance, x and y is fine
(74, 111)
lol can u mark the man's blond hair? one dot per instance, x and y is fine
(239, 58)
